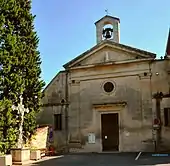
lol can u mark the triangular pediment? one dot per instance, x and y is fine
(109, 51)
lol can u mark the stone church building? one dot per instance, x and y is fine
(105, 99)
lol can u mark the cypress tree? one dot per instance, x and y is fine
(32, 70)
(19, 70)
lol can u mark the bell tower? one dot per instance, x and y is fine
(108, 28)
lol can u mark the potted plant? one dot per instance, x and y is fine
(35, 154)
(5, 159)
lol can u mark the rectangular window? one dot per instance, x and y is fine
(57, 121)
(166, 116)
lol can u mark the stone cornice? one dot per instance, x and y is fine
(111, 63)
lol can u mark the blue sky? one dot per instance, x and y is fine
(66, 27)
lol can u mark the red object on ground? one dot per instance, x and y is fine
(51, 150)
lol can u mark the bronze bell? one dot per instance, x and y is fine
(107, 33)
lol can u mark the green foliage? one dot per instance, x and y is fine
(8, 126)
(20, 74)
(33, 84)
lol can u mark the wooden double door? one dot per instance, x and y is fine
(110, 131)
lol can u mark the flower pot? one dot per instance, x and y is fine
(35, 155)
(6, 160)
(20, 156)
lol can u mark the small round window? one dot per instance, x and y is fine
(108, 87)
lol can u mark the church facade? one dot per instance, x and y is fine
(105, 99)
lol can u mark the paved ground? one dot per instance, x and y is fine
(123, 159)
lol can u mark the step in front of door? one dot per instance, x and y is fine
(75, 145)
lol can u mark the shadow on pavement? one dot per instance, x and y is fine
(120, 159)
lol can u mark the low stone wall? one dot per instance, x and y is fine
(40, 139)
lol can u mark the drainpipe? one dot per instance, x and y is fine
(158, 97)
(158, 133)
(150, 70)
(153, 111)
(66, 111)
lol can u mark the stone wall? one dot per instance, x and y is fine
(128, 88)
(135, 84)
(40, 139)
(54, 93)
